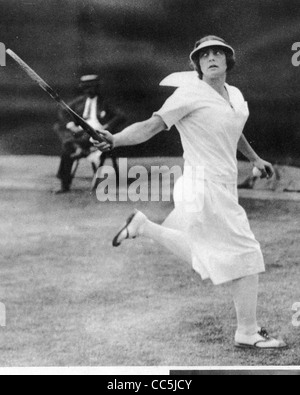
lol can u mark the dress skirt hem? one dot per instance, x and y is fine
(223, 246)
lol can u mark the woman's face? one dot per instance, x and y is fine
(213, 62)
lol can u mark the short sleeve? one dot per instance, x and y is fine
(178, 106)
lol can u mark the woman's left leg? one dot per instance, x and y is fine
(245, 295)
(249, 334)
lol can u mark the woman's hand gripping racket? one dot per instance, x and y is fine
(107, 145)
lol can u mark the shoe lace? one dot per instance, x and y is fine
(264, 333)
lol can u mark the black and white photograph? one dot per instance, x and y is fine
(150, 188)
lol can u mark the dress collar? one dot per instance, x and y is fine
(190, 79)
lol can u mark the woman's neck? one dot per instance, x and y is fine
(217, 83)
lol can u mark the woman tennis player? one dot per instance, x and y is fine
(215, 235)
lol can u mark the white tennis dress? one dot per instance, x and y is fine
(206, 198)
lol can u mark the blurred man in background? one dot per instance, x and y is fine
(76, 143)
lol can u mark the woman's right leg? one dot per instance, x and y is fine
(245, 291)
(173, 240)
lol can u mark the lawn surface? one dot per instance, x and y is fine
(72, 300)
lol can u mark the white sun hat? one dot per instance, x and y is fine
(211, 43)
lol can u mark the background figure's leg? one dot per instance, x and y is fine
(65, 169)
(60, 169)
(103, 158)
(174, 240)
(97, 176)
(245, 294)
(116, 167)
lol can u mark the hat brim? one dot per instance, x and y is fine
(89, 80)
(209, 44)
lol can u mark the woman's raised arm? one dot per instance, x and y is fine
(135, 134)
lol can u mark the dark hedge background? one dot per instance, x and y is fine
(133, 44)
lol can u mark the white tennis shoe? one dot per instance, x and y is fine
(260, 341)
(132, 228)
